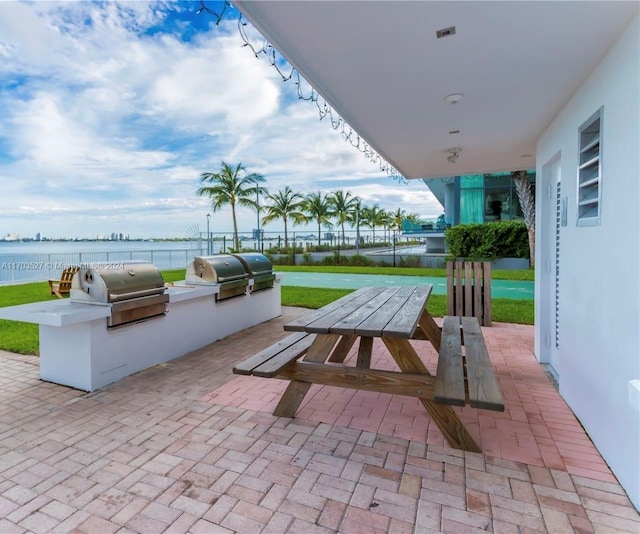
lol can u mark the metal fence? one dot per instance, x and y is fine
(33, 267)
(328, 240)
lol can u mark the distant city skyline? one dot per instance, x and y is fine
(113, 236)
(310, 230)
(111, 111)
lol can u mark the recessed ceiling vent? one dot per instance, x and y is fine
(446, 32)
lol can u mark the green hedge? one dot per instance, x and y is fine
(488, 241)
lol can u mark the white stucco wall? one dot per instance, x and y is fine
(599, 350)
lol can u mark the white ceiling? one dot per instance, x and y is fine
(381, 67)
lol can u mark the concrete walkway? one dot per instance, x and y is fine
(167, 451)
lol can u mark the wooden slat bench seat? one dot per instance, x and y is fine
(269, 361)
(466, 376)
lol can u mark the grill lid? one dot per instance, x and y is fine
(117, 282)
(255, 264)
(216, 269)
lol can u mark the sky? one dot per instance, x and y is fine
(109, 113)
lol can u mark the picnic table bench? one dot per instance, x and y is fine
(322, 339)
(466, 377)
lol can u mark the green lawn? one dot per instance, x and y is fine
(23, 337)
(526, 275)
(502, 310)
(15, 336)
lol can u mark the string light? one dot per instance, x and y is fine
(218, 16)
(289, 73)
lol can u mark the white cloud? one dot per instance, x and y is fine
(100, 121)
(218, 80)
(54, 143)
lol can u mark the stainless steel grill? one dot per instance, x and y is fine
(134, 290)
(220, 269)
(260, 270)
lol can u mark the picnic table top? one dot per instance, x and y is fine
(368, 312)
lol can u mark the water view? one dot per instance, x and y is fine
(39, 260)
(29, 261)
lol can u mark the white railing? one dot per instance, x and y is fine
(33, 267)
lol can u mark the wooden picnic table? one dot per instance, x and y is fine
(315, 354)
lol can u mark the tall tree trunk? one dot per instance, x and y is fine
(286, 242)
(532, 245)
(235, 228)
(528, 205)
(318, 233)
(342, 233)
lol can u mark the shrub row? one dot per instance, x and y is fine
(488, 241)
(355, 260)
(309, 247)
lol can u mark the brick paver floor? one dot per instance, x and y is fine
(165, 451)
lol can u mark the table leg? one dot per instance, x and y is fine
(364, 353)
(444, 416)
(296, 390)
(431, 330)
(342, 349)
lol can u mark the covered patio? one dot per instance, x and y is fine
(187, 446)
(438, 90)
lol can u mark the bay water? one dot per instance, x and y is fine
(30, 261)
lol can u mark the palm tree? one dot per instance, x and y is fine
(372, 217)
(528, 205)
(230, 187)
(354, 218)
(343, 204)
(285, 205)
(413, 217)
(397, 218)
(319, 208)
(385, 221)
(365, 216)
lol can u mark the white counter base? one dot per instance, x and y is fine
(77, 349)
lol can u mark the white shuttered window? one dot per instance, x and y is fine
(590, 170)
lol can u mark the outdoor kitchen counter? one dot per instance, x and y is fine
(54, 313)
(78, 350)
(64, 312)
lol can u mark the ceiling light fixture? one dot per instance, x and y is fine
(454, 98)
(454, 153)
